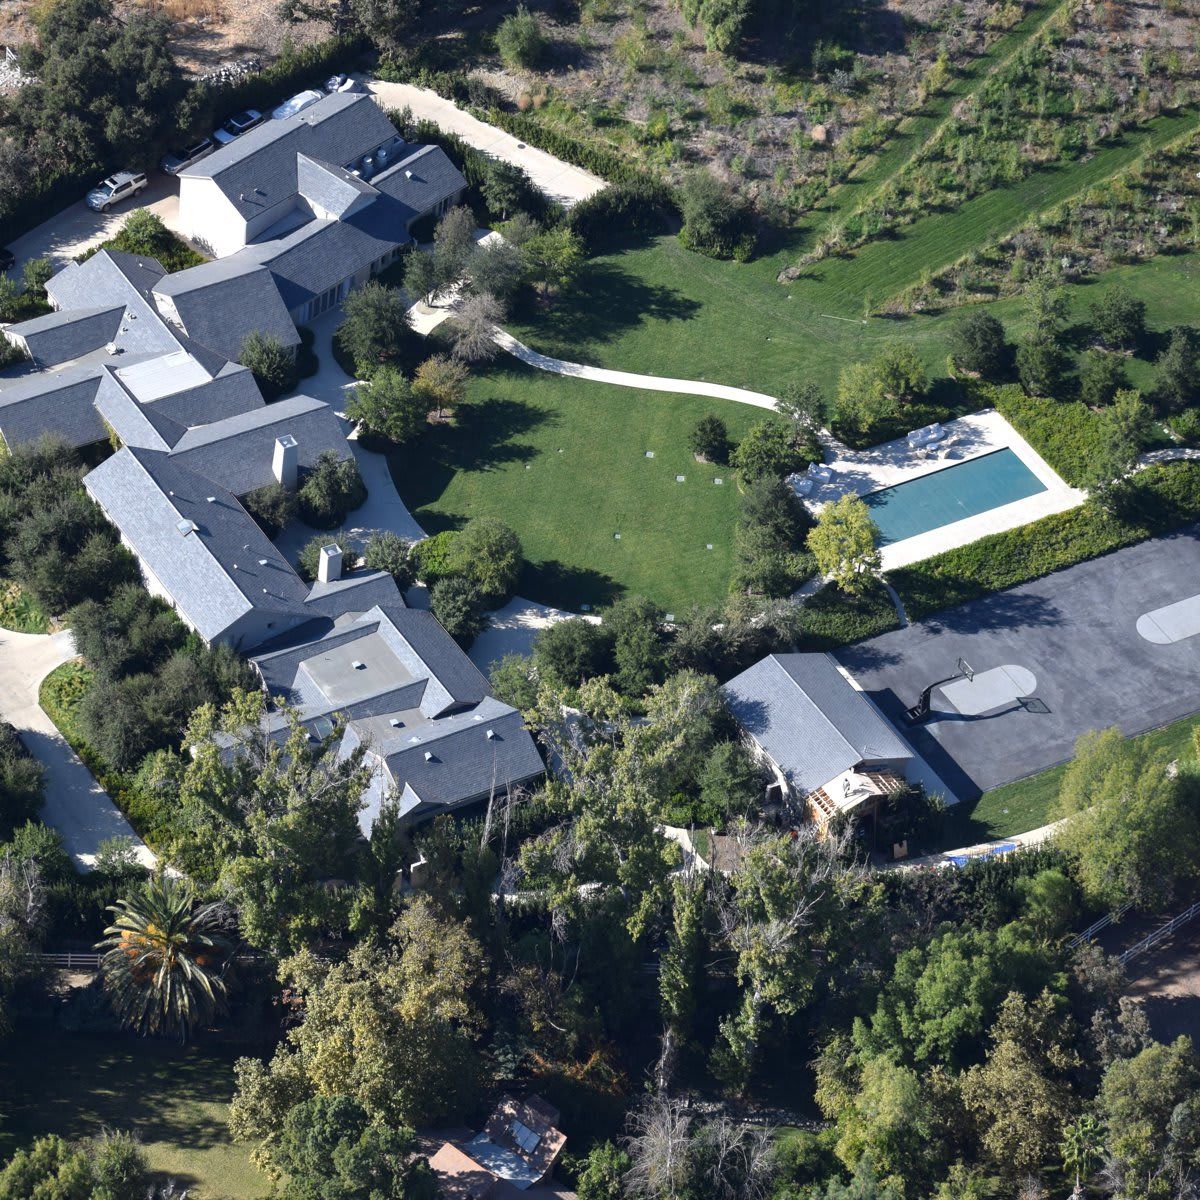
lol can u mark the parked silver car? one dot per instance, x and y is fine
(124, 185)
(299, 102)
(178, 160)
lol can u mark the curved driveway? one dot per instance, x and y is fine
(75, 804)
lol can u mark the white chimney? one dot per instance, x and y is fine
(330, 567)
(286, 461)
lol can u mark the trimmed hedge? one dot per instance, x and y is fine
(833, 618)
(644, 206)
(1063, 432)
(1163, 497)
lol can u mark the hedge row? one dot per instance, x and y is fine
(832, 618)
(1162, 498)
(647, 206)
(1063, 432)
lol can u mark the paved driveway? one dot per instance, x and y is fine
(559, 180)
(1076, 633)
(76, 805)
(77, 228)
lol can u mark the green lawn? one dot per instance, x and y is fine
(173, 1098)
(1025, 804)
(564, 462)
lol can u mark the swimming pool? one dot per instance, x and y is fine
(951, 494)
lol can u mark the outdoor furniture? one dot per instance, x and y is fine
(819, 472)
(801, 485)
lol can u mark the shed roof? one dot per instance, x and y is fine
(809, 718)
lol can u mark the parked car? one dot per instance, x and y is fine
(177, 160)
(342, 83)
(299, 102)
(122, 186)
(238, 124)
(7, 258)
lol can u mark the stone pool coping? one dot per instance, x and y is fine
(863, 471)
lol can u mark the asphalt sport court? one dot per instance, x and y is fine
(1114, 641)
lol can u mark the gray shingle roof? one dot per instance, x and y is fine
(132, 422)
(321, 253)
(221, 303)
(232, 391)
(258, 170)
(58, 337)
(58, 403)
(215, 573)
(238, 452)
(808, 717)
(422, 179)
(330, 187)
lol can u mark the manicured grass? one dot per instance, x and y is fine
(173, 1098)
(502, 458)
(19, 612)
(1025, 804)
(60, 695)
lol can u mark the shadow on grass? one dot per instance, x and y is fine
(569, 587)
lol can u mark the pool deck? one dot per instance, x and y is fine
(862, 471)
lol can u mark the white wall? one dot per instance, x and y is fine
(208, 218)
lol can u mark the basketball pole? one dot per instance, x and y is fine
(920, 711)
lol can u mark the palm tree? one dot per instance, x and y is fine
(164, 958)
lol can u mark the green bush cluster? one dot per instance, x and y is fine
(1065, 432)
(646, 206)
(834, 618)
(1162, 497)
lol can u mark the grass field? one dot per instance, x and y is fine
(173, 1098)
(1025, 804)
(564, 462)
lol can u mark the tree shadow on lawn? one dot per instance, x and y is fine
(607, 302)
(481, 440)
(566, 586)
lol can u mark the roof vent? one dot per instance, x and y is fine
(429, 756)
(359, 666)
(407, 174)
(396, 723)
(262, 562)
(185, 527)
(491, 733)
(211, 499)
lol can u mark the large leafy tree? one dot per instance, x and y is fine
(385, 405)
(280, 815)
(111, 1167)
(165, 958)
(393, 1026)
(375, 327)
(844, 543)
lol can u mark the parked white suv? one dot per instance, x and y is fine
(121, 186)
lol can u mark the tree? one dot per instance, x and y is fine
(709, 440)
(1120, 435)
(503, 186)
(1149, 1104)
(488, 553)
(410, 1001)
(23, 916)
(554, 259)
(1022, 1092)
(1119, 318)
(716, 220)
(331, 489)
(899, 373)
(21, 777)
(1041, 367)
(273, 506)
(603, 1176)
(388, 551)
(441, 382)
(37, 272)
(861, 403)
(768, 449)
(110, 1167)
(330, 1150)
(1101, 377)
(978, 345)
(1082, 1148)
(845, 544)
(473, 328)
(387, 406)
(272, 363)
(1130, 827)
(278, 817)
(804, 403)
(520, 39)
(164, 958)
(569, 652)
(634, 625)
(11, 299)
(375, 327)
(1178, 383)
(458, 605)
(1046, 307)
(513, 680)
(495, 268)
(453, 242)
(680, 965)
(730, 785)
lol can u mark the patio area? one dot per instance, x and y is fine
(863, 472)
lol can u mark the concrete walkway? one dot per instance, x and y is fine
(559, 180)
(75, 804)
(652, 383)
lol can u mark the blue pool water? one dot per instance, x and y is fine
(951, 494)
